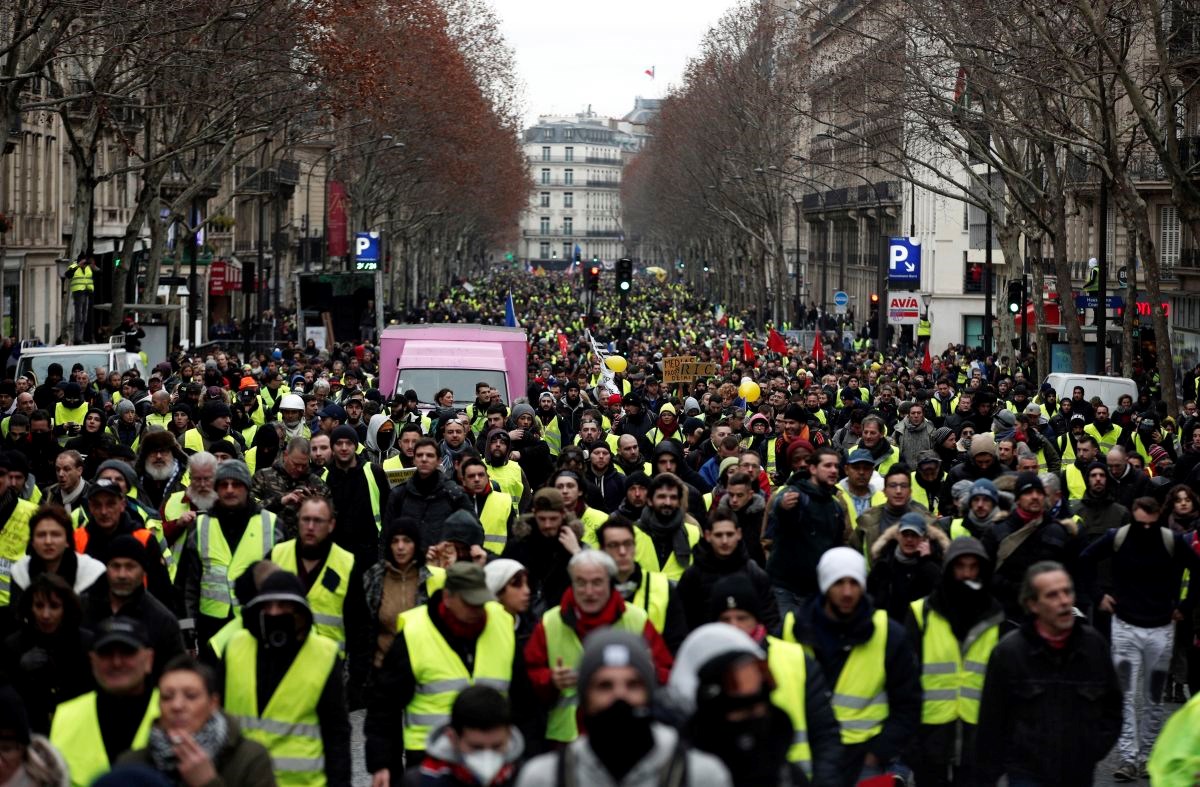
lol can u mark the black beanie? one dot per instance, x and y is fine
(14, 722)
(402, 526)
(127, 546)
(734, 592)
(344, 432)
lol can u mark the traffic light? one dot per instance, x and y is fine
(576, 256)
(593, 277)
(624, 274)
(1016, 297)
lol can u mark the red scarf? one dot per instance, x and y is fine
(584, 623)
(1055, 641)
(456, 626)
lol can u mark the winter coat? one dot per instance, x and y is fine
(803, 533)
(444, 767)
(607, 491)
(696, 584)
(429, 503)
(240, 763)
(750, 519)
(893, 584)
(912, 440)
(875, 520)
(1051, 540)
(47, 670)
(544, 558)
(1038, 699)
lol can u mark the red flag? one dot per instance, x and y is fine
(562, 343)
(927, 364)
(818, 349)
(649, 72)
(775, 342)
(725, 353)
(747, 351)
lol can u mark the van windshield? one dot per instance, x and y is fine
(427, 382)
(39, 363)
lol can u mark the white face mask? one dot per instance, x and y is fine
(484, 764)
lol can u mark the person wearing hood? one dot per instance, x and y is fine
(544, 541)
(953, 631)
(866, 656)
(555, 428)
(636, 486)
(666, 427)
(620, 743)
(668, 458)
(552, 654)
(606, 484)
(461, 637)
(45, 658)
(283, 684)
(981, 462)
(90, 441)
(1027, 537)
(620, 539)
(722, 553)
(527, 446)
(927, 481)
(636, 421)
(497, 452)
(124, 427)
(914, 434)
(360, 492)
(397, 582)
(906, 561)
(776, 729)
(479, 747)
(69, 412)
(264, 446)
(898, 501)
(379, 445)
(220, 547)
(945, 443)
(160, 468)
(181, 420)
(804, 519)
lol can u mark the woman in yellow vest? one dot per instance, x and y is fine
(193, 728)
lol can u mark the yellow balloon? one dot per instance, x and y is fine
(616, 363)
(749, 391)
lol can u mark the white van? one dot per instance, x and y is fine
(111, 357)
(1109, 389)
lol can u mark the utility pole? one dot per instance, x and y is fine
(1101, 311)
(987, 266)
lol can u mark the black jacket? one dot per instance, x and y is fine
(696, 584)
(1048, 715)
(831, 642)
(428, 502)
(47, 669)
(393, 686)
(802, 534)
(159, 621)
(356, 530)
(1053, 540)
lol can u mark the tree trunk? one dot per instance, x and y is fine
(1127, 344)
(1039, 313)
(1056, 204)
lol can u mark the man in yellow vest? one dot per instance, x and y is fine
(82, 283)
(954, 631)
(869, 661)
(463, 637)
(673, 533)
(553, 651)
(93, 729)
(504, 470)
(1107, 433)
(224, 543)
(651, 591)
(491, 506)
(283, 685)
(15, 514)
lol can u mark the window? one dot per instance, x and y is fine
(570, 154)
(567, 252)
(568, 176)
(1168, 236)
(972, 330)
(966, 217)
(568, 133)
(544, 200)
(544, 225)
(545, 152)
(568, 199)
(568, 225)
(973, 277)
(545, 176)
(544, 250)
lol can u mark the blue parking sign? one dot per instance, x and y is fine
(904, 261)
(366, 251)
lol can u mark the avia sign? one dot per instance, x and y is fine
(904, 308)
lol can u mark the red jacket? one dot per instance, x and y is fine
(537, 659)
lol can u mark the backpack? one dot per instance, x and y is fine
(1168, 538)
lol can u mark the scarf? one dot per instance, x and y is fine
(456, 627)
(69, 498)
(673, 529)
(1181, 524)
(212, 738)
(584, 623)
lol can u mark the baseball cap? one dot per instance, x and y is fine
(121, 630)
(859, 456)
(469, 582)
(104, 486)
(926, 457)
(913, 523)
(1027, 482)
(335, 411)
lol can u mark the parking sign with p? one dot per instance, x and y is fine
(904, 262)
(366, 251)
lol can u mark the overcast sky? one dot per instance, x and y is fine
(571, 54)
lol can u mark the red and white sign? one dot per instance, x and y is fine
(224, 278)
(904, 308)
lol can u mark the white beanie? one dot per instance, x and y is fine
(500, 572)
(701, 646)
(840, 563)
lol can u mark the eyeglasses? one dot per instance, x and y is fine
(621, 546)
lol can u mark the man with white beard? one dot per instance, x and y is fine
(160, 468)
(179, 513)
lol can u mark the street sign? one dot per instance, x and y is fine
(366, 251)
(904, 308)
(1092, 301)
(840, 301)
(904, 262)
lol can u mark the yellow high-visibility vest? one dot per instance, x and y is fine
(14, 541)
(75, 732)
(951, 680)
(497, 508)
(82, 279)
(508, 476)
(221, 566)
(653, 596)
(786, 662)
(326, 603)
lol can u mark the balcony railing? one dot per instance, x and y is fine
(560, 182)
(604, 184)
(555, 160)
(1189, 258)
(885, 192)
(604, 233)
(602, 160)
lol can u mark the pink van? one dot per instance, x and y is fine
(427, 358)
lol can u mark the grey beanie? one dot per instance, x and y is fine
(125, 406)
(121, 467)
(520, 410)
(966, 545)
(961, 489)
(940, 434)
(234, 469)
(615, 648)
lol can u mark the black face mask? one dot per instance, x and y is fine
(384, 439)
(277, 631)
(71, 404)
(620, 735)
(741, 745)
(1101, 423)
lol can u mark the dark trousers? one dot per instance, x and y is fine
(82, 303)
(945, 756)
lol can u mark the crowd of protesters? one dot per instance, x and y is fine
(826, 564)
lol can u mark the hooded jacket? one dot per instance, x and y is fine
(444, 765)
(691, 479)
(750, 519)
(894, 583)
(371, 446)
(544, 558)
(1048, 540)
(696, 585)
